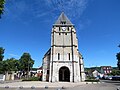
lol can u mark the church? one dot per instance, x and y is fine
(63, 62)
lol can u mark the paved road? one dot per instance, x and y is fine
(106, 85)
(116, 83)
(102, 86)
(82, 87)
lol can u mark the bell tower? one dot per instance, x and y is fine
(66, 62)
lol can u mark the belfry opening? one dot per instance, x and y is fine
(64, 74)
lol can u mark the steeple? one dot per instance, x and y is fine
(63, 20)
(63, 56)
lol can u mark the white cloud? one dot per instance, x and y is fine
(13, 55)
(73, 8)
(30, 9)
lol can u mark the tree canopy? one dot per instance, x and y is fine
(12, 64)
(1, 7)
(115, 72)
(26, 62)
(1, 53)
(9, 65)
(118, 58)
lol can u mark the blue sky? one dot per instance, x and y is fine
(26, 27)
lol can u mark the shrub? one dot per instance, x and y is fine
(91, 80)
(32, 79)
(90, 77)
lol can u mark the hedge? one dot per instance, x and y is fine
(32, 79)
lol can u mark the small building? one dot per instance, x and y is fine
(95, 73)
(39, 72)
(106, 70)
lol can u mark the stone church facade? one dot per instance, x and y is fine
(63, 61)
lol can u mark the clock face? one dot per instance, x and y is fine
(63, 28)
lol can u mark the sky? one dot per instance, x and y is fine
(26, 26)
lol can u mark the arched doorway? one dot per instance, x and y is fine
(64, 74)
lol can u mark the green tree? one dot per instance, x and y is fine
(12, 64)
(1, 67)
(1, 53)
(118, 58)
(115, 72)
(9, 65)
(1, 7)
(26, 63)
(1, 59)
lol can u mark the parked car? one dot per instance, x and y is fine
(109, 78)
(116, 78)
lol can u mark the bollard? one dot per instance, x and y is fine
(58, 89)
(6, 86)
(32, 87)
(118, 88)
(63, 87)
(46, 87)
(21, 87)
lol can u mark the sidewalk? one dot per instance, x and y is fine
(10, 81)
(39, 84)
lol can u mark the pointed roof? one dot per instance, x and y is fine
(63, 20)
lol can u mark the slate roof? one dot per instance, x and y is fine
(40, 68)
(63, 20)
